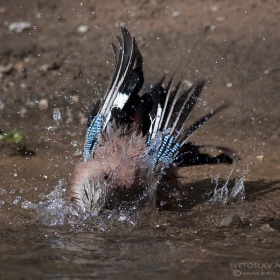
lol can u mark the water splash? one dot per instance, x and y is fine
(55, 209)
(222, 194)
(239, 189)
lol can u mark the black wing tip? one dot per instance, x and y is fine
(124, 30)
(191, 155)
(199, 85)
(221, 108)
(126, 33)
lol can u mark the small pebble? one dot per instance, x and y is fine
(229, 85)
(260, 157)
(175, 14)
(7, 68)
(19, 26)
(267, 227)
(83, 119)
(75, 99)
(82, 29)
(30, 104)
(229, 220)
(45, 67)
(2, 105)
(43, 104)
(3, 10)
(220, 19)
(69, 120)
(214, 9)
(22, 112)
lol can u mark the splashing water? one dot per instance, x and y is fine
(55, 209)
(121, 208)
(239, 188)
(222, 194)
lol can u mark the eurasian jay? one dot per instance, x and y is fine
(136, 141)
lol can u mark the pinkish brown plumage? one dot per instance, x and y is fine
(119, 157)
(134, 139)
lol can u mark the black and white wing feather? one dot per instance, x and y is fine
(161, 113)
(171, 109)
(126, 82)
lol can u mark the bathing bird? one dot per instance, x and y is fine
(135, 139)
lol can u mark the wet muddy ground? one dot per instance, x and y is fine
(62, 61)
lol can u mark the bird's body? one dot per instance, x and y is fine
(133, 141)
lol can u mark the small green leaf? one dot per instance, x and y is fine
(11, 137)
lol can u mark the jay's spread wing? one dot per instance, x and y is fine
(121, 100)
(160, 113)
(171, 108)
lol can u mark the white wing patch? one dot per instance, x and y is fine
(156, 122)
(120, 100)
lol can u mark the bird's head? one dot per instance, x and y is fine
(90, 183)
(93, 180)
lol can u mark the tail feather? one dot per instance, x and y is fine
(168, 92)
(171, 103)
(193, 94)
(142, 115)
(190, 154)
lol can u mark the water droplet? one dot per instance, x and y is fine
(2, 191)
(74, 143)
(78, 152)
(56, 115)
(17, 199)
(28, 205)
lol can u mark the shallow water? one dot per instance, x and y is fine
(234, 46)
(185, 242)
(167, 251)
